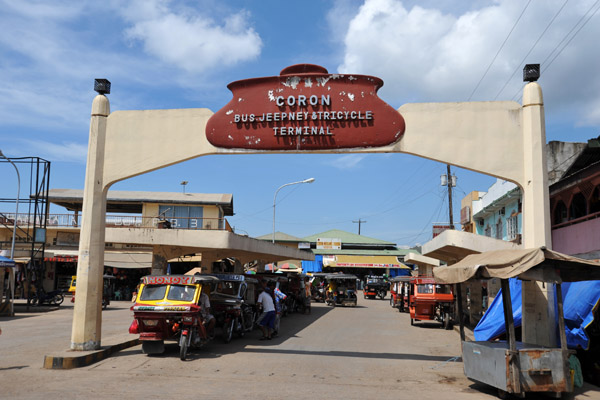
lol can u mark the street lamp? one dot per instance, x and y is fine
(309, 180)
(12, 246)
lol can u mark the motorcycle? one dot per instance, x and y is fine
(42, 297)
(168, 308)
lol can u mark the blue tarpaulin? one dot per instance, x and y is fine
(580, 299)
(313, 266)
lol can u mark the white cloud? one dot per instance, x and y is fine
(348, 161)
(51, 151)
(189, 39)
(425, 54)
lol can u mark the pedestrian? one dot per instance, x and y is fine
(208, 319)
(307, 295)
(279, 298)
(266, 324)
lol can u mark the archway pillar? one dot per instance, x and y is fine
(87, 314)
(538, 310)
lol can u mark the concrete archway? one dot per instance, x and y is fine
(502, 139)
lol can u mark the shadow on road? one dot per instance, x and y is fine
(354, 354)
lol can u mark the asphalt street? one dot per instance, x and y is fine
(364, 352)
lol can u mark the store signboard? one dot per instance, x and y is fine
(329, 244)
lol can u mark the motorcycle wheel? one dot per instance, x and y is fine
(183, 348)
(447, 324)
(240, 324)
(58, 299)
(228, 331)
(33, 301)
(248, 321)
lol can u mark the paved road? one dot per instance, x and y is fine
(351, 353)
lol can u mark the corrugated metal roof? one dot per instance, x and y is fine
(281, 237)
(347, 238)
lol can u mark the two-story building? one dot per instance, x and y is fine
(146, 233)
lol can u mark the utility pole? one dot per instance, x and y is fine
(449, 180)
(359, 222)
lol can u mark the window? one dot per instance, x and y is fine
(425, 288)
(488, 231)
(186, 217)
(512, 227)
(578, 207)
(181, 292)
(560, 213)
(443, 289)
(153, 292)
(595, 200)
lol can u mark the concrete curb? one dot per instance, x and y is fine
(83, 360)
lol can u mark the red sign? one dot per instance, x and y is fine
(168, 280)
(305, 108)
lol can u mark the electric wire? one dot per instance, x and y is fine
(519, 92)
(575, 34)
(499, 50)
(531, 49)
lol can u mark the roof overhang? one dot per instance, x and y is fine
(421, 260)
(129, 202)
(452, 246)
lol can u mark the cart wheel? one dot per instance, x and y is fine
(502, 394)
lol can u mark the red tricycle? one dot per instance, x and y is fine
(431, 301)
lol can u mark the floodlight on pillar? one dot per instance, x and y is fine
(531, 72)
(102, 86)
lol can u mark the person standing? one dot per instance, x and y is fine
(265, 300)
(307, 295)
(279, 297)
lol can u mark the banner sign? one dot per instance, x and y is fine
(329, 244)
(305, 108)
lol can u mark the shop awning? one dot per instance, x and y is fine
(350, 261)
(124, 259)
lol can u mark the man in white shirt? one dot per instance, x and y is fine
(267, 323)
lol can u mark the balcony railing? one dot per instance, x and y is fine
(120, 221)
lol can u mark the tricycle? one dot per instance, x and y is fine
(399, 288)
(170, 308)
(375, 286)
(431, 301)
(341, 290)
(232, 303)
(108, 282)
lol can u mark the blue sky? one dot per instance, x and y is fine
(182, 54)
